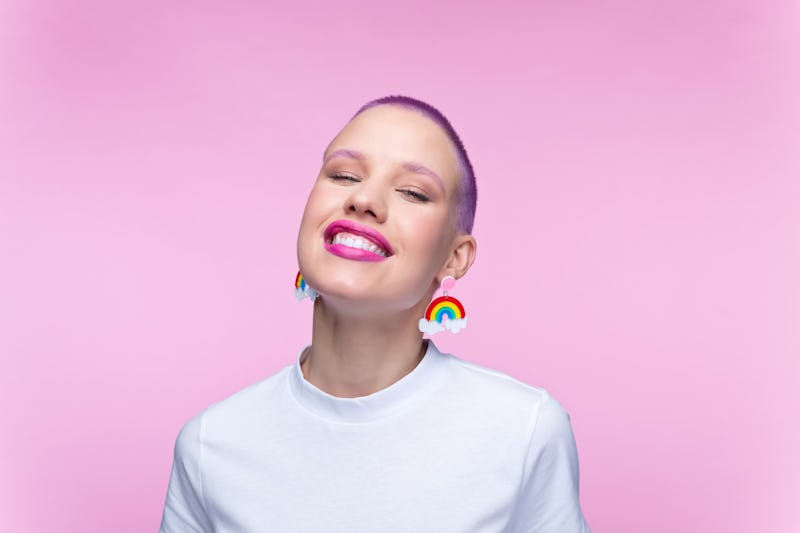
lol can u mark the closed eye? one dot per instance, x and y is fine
(344, 178)
(415, 195)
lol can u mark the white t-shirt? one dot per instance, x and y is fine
(451, 447)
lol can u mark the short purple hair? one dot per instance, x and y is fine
(467, 198)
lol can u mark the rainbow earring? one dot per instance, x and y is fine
(444, 312)
(303, 289)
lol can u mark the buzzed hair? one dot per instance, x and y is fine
(467, 199)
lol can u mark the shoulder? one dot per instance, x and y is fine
(258, 393)
(497, 386)
(484, 391)
(237, 410)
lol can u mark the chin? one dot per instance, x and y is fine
(344, 287)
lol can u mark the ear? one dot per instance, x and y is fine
(461, 257)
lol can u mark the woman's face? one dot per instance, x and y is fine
(378, 227)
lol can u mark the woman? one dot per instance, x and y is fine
(373, 429)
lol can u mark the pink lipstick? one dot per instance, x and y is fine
(350, 240)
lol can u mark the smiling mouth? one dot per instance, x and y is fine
(351, 240)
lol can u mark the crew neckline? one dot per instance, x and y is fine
(377, 405)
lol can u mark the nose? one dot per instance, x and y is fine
(367, 200)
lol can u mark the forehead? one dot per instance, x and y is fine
(389, 134)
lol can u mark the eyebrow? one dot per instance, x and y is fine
(421, 169)
(352, 154)
(410, 166)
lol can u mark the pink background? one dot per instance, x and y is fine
(638, 236)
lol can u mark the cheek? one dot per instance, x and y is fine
(429, 236)
(311, 215)
(316, 205)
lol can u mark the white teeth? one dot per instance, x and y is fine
(356, 241)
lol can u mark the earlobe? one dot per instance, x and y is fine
(461, 258)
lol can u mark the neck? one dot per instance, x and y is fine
(353, 356)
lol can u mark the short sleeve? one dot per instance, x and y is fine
(184, 508)
(548, 501)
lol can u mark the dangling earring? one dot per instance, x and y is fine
(303, 289)
(444, 312)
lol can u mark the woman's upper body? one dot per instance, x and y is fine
(373, 429)
(451, 447)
